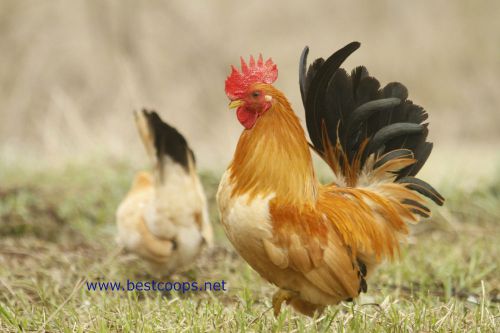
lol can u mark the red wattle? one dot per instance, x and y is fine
(246, 118)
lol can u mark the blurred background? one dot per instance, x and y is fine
(72, 72)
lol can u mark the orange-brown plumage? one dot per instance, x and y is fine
(317, 242)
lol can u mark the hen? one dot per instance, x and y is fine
(164, 216)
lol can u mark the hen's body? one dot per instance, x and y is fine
(164, 217)
(317, 243)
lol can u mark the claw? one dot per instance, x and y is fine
(282, 295)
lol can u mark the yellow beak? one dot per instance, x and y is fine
(236, 104)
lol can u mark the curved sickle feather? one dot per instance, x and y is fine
(318, 88)
(302, 73)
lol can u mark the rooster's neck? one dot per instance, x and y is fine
(274, 158)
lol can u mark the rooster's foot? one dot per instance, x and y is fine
(282, 295)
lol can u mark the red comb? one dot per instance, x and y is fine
(237, 83)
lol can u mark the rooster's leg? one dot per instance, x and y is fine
(282, 295)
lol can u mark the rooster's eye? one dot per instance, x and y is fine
(256, 94)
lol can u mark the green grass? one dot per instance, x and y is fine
(57, 231)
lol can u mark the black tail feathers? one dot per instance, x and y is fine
(163, 140)
(350, 118)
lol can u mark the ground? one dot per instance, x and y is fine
(57, 233)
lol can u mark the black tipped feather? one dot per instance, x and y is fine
(423, 188)
(422, 153)
(362, 119)
(302, 72)
(362, 268)
(419, 212)
(168, 141)
(391, 132)
(363, 286)
(392, 155)
(416, 204)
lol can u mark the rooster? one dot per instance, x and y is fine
(164, 216)
(319, 243)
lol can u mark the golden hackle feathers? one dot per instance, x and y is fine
(261, 166)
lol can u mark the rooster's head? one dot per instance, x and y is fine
(250, 89)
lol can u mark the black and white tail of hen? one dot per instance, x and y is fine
(163, 143)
